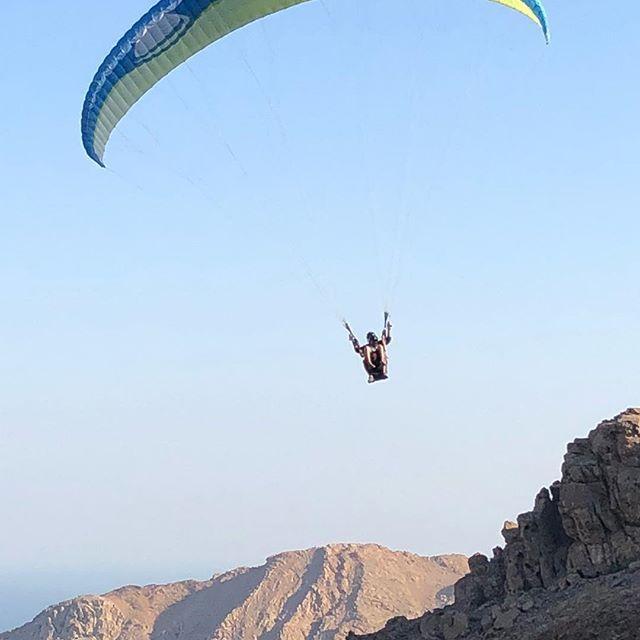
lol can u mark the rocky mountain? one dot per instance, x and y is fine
(318, 594)
(570, 569)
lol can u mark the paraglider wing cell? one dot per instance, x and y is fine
(168, 35)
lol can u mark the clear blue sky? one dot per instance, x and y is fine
(177, 398)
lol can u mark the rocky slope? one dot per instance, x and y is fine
(318, 594)
(570, 569)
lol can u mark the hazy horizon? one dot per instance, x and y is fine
(178, 398)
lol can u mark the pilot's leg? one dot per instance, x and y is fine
(382, 355)
(382, 359)
(368, 359)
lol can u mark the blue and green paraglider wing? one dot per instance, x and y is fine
(168, 35)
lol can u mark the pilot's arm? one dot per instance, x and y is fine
(386, 334)
(357, 348)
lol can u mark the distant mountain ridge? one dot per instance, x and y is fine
(316, 594)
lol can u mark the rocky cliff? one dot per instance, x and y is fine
(315, 594)
(570, 569)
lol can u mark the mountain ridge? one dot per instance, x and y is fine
(569, 569)
(320, 594)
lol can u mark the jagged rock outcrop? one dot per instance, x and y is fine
(570, 569)
(318, 594)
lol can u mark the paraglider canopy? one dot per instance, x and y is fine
(532, 9)
(168, 35)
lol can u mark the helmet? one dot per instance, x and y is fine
(372, 337)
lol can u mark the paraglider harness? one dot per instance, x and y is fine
(377, 369)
